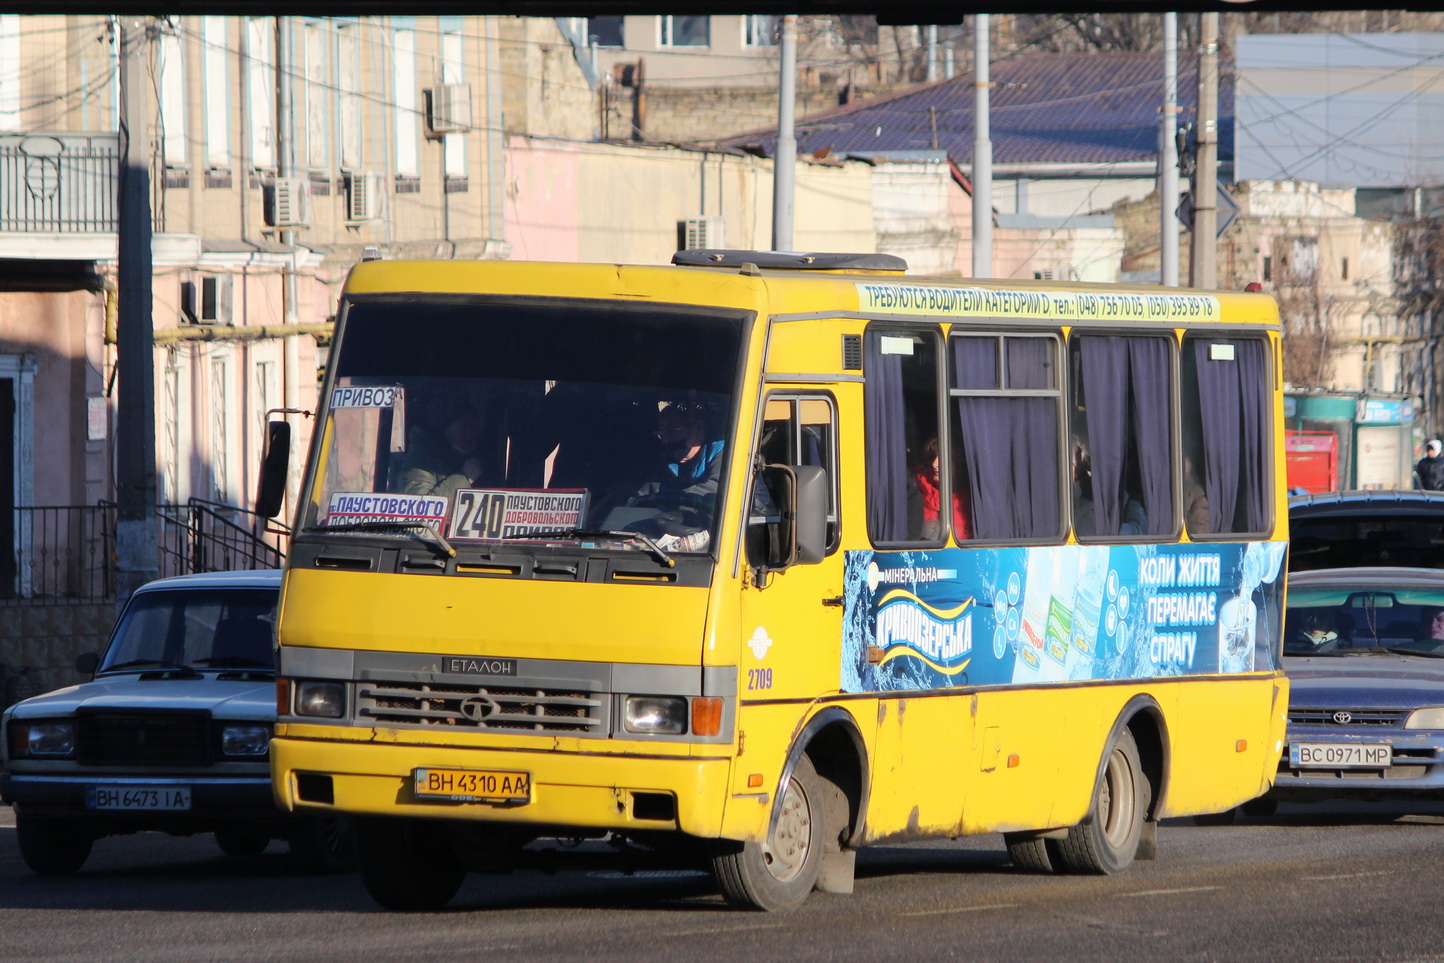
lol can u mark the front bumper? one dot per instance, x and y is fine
(1417, 769)
(213, 798)
(578, 790)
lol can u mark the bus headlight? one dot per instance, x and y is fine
(245, 740)
(324, 699)
(1429, 717)
(656, 714)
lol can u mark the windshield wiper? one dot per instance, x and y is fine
(393, 528)
(1428, 653)
(234, 662)
(149, 664)
(627, 537)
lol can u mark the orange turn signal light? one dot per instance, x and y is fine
(283, 697)
(754, 781)
(1241, 746)
(1013, 761)
(706, 716)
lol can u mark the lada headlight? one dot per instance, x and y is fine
(655, 714)
(245, 740)
(324, 699)
(1429, 717)
(51, 739)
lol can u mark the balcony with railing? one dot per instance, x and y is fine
(58, 194)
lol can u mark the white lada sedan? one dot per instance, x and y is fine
(172, 734)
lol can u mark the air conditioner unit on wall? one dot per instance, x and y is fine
(702, 232)
(364, 196)
(448, 108)
(207, 299)
(290, 202)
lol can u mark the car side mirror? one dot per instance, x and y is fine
(87, 662)
(275, 465)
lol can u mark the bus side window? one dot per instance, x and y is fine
(901, 405)
(1006, 396)
(1226, 435)
(1121, 451)
(800, 430)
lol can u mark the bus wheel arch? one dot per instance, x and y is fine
(818, 812)
(1128, 787)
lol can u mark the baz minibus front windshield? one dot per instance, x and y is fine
(488, 421)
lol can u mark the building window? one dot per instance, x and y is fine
(759, 30)
(316, 93)
(606, 31)
(171, 70)
(453, 71)
(685, 31)
(348, 94)
(9, 79)
(217, 97)
(1268, 268)
(261, 82)
(1344, 270)
(407, 98)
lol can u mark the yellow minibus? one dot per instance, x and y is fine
(750, 560)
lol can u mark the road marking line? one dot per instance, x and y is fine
(1170, 892)
(1382, 872)
(960, 909)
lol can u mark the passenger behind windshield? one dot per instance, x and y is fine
(685, 487)
(1318, 634)
(441, 462)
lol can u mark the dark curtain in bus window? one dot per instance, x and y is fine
(1233, 406)
(887, 470)
(1010, 445)
(1126, 386)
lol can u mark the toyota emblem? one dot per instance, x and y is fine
(1343, 718)
(479, 708)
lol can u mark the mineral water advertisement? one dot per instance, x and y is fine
(1066, 613)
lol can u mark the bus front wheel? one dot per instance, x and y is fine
(1107, 839)
(779, 874)
(407, 865)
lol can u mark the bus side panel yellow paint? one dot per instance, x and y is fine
(495, 616)
(1209, 773)
(921, 768)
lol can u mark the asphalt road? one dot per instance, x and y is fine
(1304, 885)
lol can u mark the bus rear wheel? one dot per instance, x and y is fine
(1033, 854)
(1107, 839)
(407, 865)
(779, 873)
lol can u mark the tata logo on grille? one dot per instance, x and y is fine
(1343, 718)
(479, 708)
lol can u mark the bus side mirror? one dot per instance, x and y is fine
(275, 464)
(789, 517)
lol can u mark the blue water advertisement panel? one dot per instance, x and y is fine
(958, 617)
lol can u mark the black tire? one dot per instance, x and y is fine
(1225, 818)
(322, 845)
(778, 875)
(1033, 854)
(243, 839)
(1262, 807)
(1107, 839)
(52, 846)
(407, 865)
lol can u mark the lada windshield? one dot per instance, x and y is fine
(195, 629)
(554, 422)
(1365, 619)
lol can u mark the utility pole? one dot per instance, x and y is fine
(982, 153)
(287, 166)
(1168, 157)
(784, 157)
(1204, 273)
(135, 542)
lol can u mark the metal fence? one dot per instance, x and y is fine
(66, 554)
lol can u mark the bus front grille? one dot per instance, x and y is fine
(494, 708)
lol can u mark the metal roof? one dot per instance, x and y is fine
(1095, 108)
